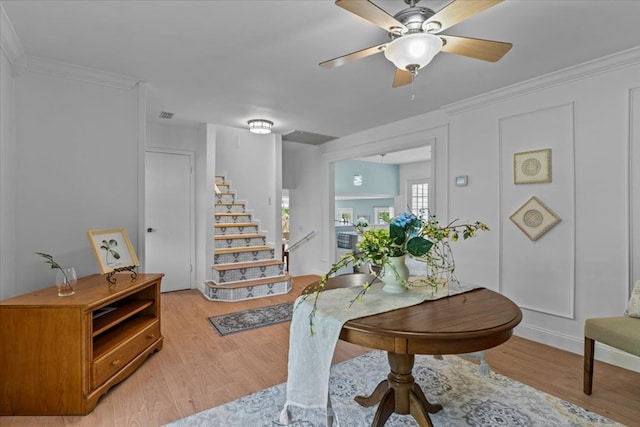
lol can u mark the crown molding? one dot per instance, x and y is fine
(602, 65)
(11, 46)
(9, 41)
(76, 72)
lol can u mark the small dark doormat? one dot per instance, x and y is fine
(231, 323)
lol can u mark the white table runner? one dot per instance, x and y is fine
(310, 356)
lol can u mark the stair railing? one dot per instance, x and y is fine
(297, 244)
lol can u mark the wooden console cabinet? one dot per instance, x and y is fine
(59, 355)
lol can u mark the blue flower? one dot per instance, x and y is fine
(404, 219)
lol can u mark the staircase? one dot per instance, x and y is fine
(244, 267)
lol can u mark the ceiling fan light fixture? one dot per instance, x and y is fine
(260, 126)
(413, 51)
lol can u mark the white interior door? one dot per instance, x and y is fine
(169, 242)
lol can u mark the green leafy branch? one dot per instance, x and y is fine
(48, 259)
(355, 259)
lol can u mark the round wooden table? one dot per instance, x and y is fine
(463, 323)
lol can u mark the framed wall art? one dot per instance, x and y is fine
(113, 250)
(530, 167)
(534, 218)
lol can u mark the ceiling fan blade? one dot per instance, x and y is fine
(486, 50)
(459, 10)
(402, 77)
(350, 57)
(372, 13)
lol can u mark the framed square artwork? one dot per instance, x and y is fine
(534, 218)
(530, 167)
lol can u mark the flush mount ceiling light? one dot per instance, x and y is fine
(260, 126)
(413, 51)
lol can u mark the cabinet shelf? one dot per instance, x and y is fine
(123, 311)
(113, 338)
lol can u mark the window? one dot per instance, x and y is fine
(418, 195)
(379, 214)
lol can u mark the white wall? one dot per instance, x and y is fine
(8, 171)
(583, 115)
(77, 169)
(305, 213)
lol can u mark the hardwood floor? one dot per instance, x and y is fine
(197, 369)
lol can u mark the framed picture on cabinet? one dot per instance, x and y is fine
(113, 249)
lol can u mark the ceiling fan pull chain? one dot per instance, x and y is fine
(413, 79)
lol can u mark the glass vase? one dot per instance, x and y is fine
(66, 280)
(394, 275)
(441, 265)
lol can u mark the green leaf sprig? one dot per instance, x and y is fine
(48, 259)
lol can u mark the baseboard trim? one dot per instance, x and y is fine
(603, 353)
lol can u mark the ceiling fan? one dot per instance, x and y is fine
(415, 35)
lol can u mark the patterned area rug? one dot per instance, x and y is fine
(468, 398)
(226, 324)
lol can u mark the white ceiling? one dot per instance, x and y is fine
(225, 62)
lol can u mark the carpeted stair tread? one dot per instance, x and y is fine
(248, 283)
(238, 265)
(243, 249)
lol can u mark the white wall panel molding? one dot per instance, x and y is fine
(76, 72)
(142, 141)
(539, 275)
(9, 41)
(634, 185)
(602, 65)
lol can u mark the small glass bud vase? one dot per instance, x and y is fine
(66, 280)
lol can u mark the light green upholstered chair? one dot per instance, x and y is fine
(621, 332)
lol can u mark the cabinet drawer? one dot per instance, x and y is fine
(111, 362)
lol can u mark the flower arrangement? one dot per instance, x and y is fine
(419, 236)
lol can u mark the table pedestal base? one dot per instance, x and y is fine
(399, 393)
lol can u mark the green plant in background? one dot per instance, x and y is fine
(48, 259)
(108, 248)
